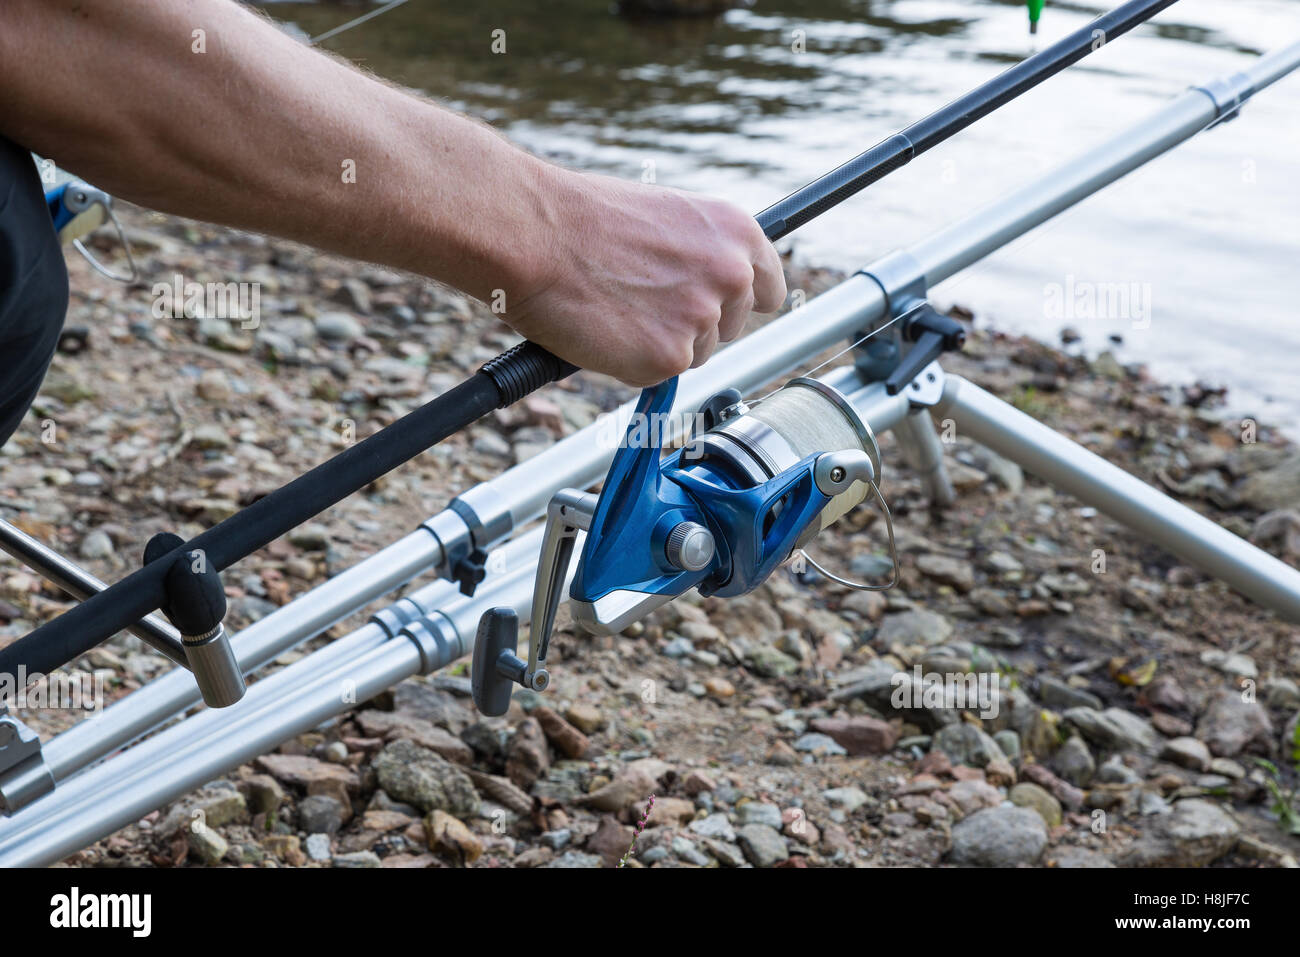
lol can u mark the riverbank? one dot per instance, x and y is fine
(1134, 695)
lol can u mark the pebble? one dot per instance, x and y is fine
(847, 799)
(714, 826)
(1187, 753)
(320, 814)
(755, 812)
(822, 745)
(96, 545)
(425, 779)
(966, 744)
(1232, 725)
(763, 846)
(1004, 836)
(1195, 833)
(1114, 729)
(1074, 762)
(338, 326)
(318, 847)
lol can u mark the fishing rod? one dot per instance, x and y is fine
(182, 578)
(432, 627)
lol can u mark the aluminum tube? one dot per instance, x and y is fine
(80, 584)
(1130, 501)
(255, 646)
(954, 248)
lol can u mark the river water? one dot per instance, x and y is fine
(1194, 260)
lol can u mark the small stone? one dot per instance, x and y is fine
(1115, 729)
(1232, 725)
(966, 744)
(947, 571)
(358, 859)
(425, 779)
(1027, 794)
(206, 843)
(913, 627)
(1187, 753)
(762, 845)
(449, 836)
(714, 826)
(320, 814)
(1059, 695)
(859, 736)
(1074, 762)
(527, 757)
(318, 847)
(1009, 741)
(312, 537)
(999, 837)
(587, 718)
(610, 841)
(698, 782)
(338, 326)
(575, 859)
(755, 812)
(1195, 833)
(819, 744)
(264, 794)
(719, 688)
(96, 545)
(567, 739)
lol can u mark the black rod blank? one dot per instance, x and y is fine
(811, 201)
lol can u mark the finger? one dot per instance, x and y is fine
(735, 316)
(705, 343)
(769, 280)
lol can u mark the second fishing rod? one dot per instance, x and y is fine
(162, 582)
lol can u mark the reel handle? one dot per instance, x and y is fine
(496, 666)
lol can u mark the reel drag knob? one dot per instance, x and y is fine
(496, 667)
(690, 547)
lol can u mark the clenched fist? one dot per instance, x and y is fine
(643, 282)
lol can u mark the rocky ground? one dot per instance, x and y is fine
(1137, 697)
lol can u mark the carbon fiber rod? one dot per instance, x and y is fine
(897, 151)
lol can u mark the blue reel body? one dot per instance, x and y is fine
(754, 527)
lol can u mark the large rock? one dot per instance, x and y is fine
(1231, 725)
(1195, 833)
(425, 779)
(999, 837)
(1115, 729)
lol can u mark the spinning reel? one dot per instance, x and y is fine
(719, 515)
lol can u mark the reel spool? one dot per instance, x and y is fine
(719, 515)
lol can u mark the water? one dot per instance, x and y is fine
(1207, 236)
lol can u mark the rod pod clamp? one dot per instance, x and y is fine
(195, 603)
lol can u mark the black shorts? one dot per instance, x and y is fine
(33, 286)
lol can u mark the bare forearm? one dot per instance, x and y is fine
(261, 132)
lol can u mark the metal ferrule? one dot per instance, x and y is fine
(437, 639)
